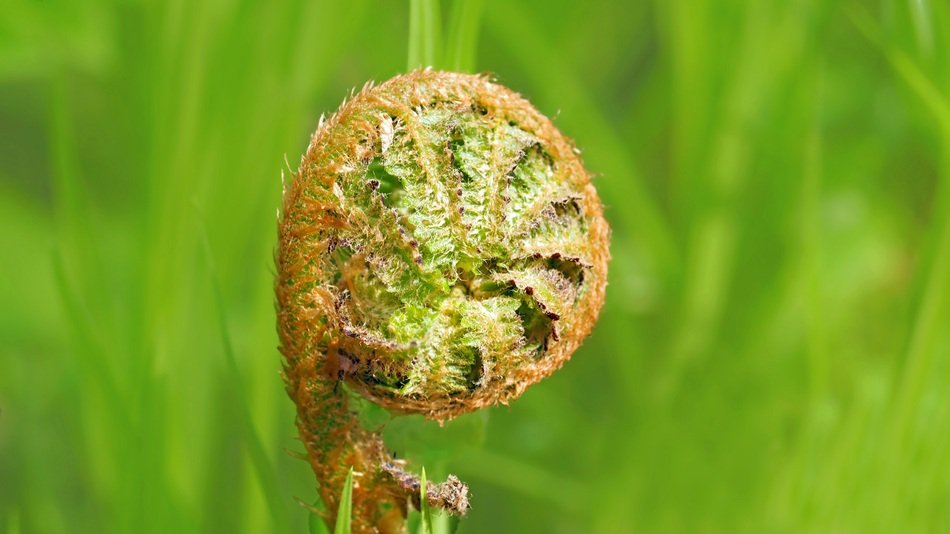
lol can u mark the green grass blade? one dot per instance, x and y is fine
(445, 523)
(87, 340)
(922, 351)
(425, 526)
(315, 523)
(425, 33)
(462, 38)
(344, 514)
(641, 215)
(520, 477)
(263, 467)
(923, 26)
(918, 82)
(925, 329)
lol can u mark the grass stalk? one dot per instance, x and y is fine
(640, 217)
(425, 525)
(425, 34)
(264, 469)
(926, 325)
(463, 35)
(344, 513)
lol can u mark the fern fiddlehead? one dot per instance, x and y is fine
(440, 249)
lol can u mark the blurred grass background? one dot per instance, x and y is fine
(774, 354)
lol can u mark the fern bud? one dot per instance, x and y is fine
(441, 248)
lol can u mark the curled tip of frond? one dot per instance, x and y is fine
(441, 249)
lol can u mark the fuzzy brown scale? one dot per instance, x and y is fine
(441, 248)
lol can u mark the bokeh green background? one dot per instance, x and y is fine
(774, 354)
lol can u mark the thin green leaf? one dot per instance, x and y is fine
(263, 467)
(316, 524)
(923, 25)
(642, 217)
(462, 39)
(926, 326)
(444, 523)
(425, 33)
(926, 90)
(345, 511)
(94, 362)
(425, 527)
(526, 479)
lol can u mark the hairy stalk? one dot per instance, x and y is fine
(441, 248)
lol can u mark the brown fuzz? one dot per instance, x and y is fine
(440, 249)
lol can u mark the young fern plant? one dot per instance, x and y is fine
(441, 248)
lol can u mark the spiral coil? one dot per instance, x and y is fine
(440, 249)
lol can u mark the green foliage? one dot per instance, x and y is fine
(429, 520)
(345, 511)
(425, 525)
(263, 468)
(770, 356)
(462, 40)
(425, 33)
(315, 523)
